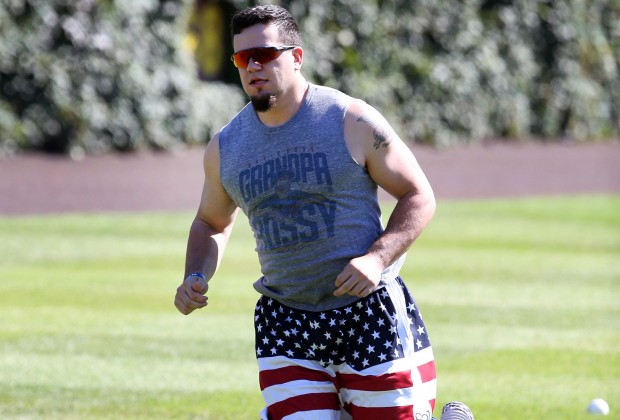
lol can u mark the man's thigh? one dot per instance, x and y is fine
(298, 389)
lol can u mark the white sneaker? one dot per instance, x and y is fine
(456, 410)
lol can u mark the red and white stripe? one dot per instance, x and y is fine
(394, 390)
(296, 389)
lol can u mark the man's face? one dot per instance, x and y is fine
(264, 83)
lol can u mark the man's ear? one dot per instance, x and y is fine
(298, 57)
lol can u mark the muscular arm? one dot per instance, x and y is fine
(208, 235)
(391, 164)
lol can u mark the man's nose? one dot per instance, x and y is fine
(254, 65)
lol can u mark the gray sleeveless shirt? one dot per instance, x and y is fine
(311, 207)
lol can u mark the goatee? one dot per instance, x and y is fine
(264, 102)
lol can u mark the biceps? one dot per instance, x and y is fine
(396, 170)
(216, 207)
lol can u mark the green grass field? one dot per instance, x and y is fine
(521, 298)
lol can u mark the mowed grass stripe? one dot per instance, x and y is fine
(520, 298)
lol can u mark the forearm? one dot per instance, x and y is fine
(205, 247)
(410, 216)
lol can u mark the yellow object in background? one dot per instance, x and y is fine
(209, 39)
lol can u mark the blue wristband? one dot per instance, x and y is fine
(202, 276)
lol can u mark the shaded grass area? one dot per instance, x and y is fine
(520, 298)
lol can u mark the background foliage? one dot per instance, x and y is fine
(473, 69)
(93, 76)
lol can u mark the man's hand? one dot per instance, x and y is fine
(360, 277)
(191, 295)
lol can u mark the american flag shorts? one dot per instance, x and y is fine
(371, 359)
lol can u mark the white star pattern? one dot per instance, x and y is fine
(361, 335)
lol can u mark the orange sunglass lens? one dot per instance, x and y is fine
(259, 55)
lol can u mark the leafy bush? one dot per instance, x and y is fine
(96, 75)
(448, 71)
(93, 76)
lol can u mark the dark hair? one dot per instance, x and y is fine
(268, 15)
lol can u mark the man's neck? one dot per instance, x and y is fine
(287, 106)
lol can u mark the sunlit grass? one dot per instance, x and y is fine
(520, 298)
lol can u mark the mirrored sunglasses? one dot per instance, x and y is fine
(260, 55)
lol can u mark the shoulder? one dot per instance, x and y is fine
(363, 113)
(329, 96)
(365, 125)
(242, 118)
(212, 155)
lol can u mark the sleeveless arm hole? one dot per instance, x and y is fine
(352, 135)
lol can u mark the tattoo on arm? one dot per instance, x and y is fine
(379, 133)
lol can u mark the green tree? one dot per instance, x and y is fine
(100, 75)
(94, 76)
(447, 71)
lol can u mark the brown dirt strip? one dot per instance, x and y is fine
(148, 181)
